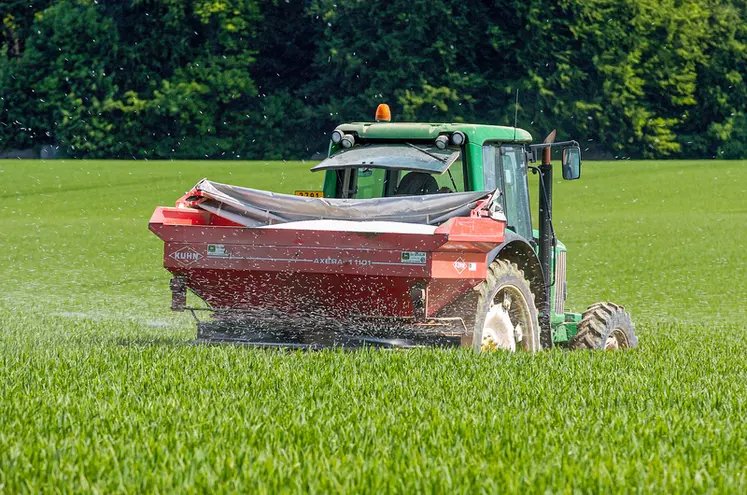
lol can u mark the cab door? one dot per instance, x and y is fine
(505, 168)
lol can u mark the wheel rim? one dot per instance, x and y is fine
(616, 340)
(508, 324)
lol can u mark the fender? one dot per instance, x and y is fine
(517, 249)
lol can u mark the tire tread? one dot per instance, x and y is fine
(596, 324)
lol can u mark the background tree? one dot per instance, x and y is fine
(271, 79)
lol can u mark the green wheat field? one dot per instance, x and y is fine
(102, 391)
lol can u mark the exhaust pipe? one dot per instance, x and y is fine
(546, 235)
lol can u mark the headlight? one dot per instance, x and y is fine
(337, 137)
(347, 141)
(442, 142)
(458, 138)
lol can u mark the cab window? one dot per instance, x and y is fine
(515, 189)
(370, 183)
(505, 168)
(367, 183)
(453, 179)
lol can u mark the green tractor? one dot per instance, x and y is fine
(525, 290)
(422, 235)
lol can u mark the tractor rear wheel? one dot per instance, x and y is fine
(605, 326)
(506, 314)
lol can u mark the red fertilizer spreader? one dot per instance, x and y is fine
(283, 270)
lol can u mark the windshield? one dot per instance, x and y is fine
(400, 156)
(368, 183)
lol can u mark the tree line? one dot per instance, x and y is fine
(270, 79)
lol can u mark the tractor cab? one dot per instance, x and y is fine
(384, 159)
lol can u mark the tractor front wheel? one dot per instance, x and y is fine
(506, 315)
(605, 326)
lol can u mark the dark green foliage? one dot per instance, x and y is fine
(57, 89)
(229, 78)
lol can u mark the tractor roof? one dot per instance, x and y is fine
(476, 133)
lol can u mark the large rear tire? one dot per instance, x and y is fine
(605, 326)
(506, 315)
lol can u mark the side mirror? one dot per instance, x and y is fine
(571, 163)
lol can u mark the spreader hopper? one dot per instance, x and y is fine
(285, 270)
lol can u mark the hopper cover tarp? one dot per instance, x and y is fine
(255, 208)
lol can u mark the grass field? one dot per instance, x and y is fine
(101, 390)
